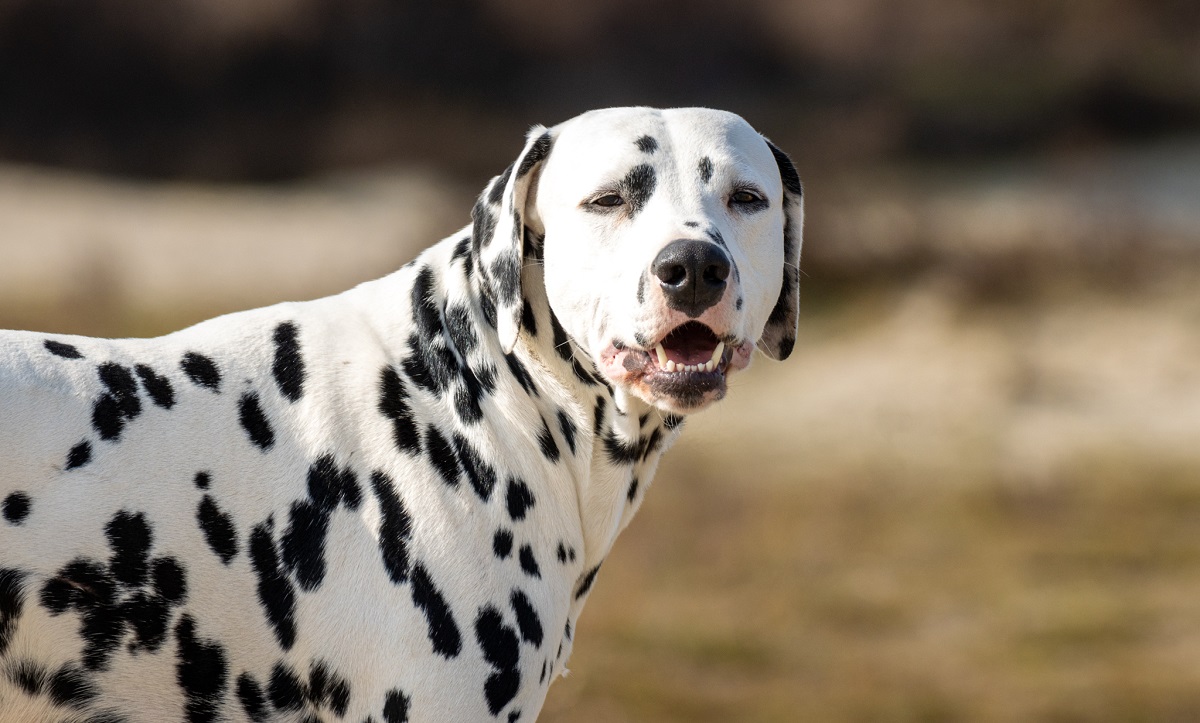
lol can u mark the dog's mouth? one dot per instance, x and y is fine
(683, 371)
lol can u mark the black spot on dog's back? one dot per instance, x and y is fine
(201, 370)
(288, 367)
(201, 671)
(12, 601)
(118, 405)
(441, 456)
(529, 562)
(130, 538)
(393, 404)
(500, 648)
(588, 580)
(254, 421)
(443, 632)
(217, 526)
(394, 530)
(395, 706)
(528, 621)
(157, 386)
(285, 688)
(62, 349)
(275, 592)
(502, 543)
(250, 694)
(15, 507)
(519, 498)
(79, 455)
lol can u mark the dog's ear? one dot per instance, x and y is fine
(499, 234)
(779, 335)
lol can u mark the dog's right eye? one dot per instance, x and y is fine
(609, 200)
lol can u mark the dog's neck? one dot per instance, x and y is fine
(610, 440)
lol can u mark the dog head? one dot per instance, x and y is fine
(666, 243)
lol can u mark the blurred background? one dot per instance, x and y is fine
(973, 493)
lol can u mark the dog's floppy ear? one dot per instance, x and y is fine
(779, 335)
(499, 233)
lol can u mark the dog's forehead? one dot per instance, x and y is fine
(614, 138)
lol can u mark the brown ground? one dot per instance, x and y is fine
(967, 496)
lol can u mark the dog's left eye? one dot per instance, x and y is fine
(744, 197)
(609, 200)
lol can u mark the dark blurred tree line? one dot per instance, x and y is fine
(273, 89)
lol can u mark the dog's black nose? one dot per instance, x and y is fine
(692, 274)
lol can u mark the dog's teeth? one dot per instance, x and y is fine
(716, 357)
(662, 356)
(669, 366)
(708, 366)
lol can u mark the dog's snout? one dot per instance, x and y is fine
(691, 274)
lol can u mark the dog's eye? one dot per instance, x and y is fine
(744, 197)
(608, 200)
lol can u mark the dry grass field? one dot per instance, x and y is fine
(973, 494)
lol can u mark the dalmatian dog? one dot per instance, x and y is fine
(390, 504)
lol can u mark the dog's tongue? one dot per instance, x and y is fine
(691, 343)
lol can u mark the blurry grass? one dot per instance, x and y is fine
(764, 581)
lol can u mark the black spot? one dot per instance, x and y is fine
(488, 309)
(425, 305)
(598, 424)
(706, 169)
(537, 153)
(130, 539)
(519, 498)
(441, 456)
(567, 427)
(201, 672)
(500, 649)
(71, 687)
(254, 421)
(395, 529)
(646, 144)
(506, 277)
(329, 486)
(462, 250)
(528, 319)
(218, 529)
(502, 544)
(327, 689)
(429, 364)
(203, 480)
(528, 621)
(12, 600)
(562, 343)
(620, 452)
(641, 290)
(716, 237)
(443, 632)
(461, 329)
(29, 676)
(119, 404)
(547, 443)
(585, 586)
(289, 364)
(692, 224)
(395, 707)
(285, 688)
(787, 171)
(529, 562)
(633, 490)
(303, 544)
(201, 370)
(393, 404)
(16, 507)
(562, 552)
(480, 474)
(786, 344)
(483, 224)
(651, 444)
(170, 582)
(250, 693)
(740, 302)
(79, 455)
(275, 592)
(496, 190)
(157, 386)
(521, 373)
(62, 349)
(637, 187)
